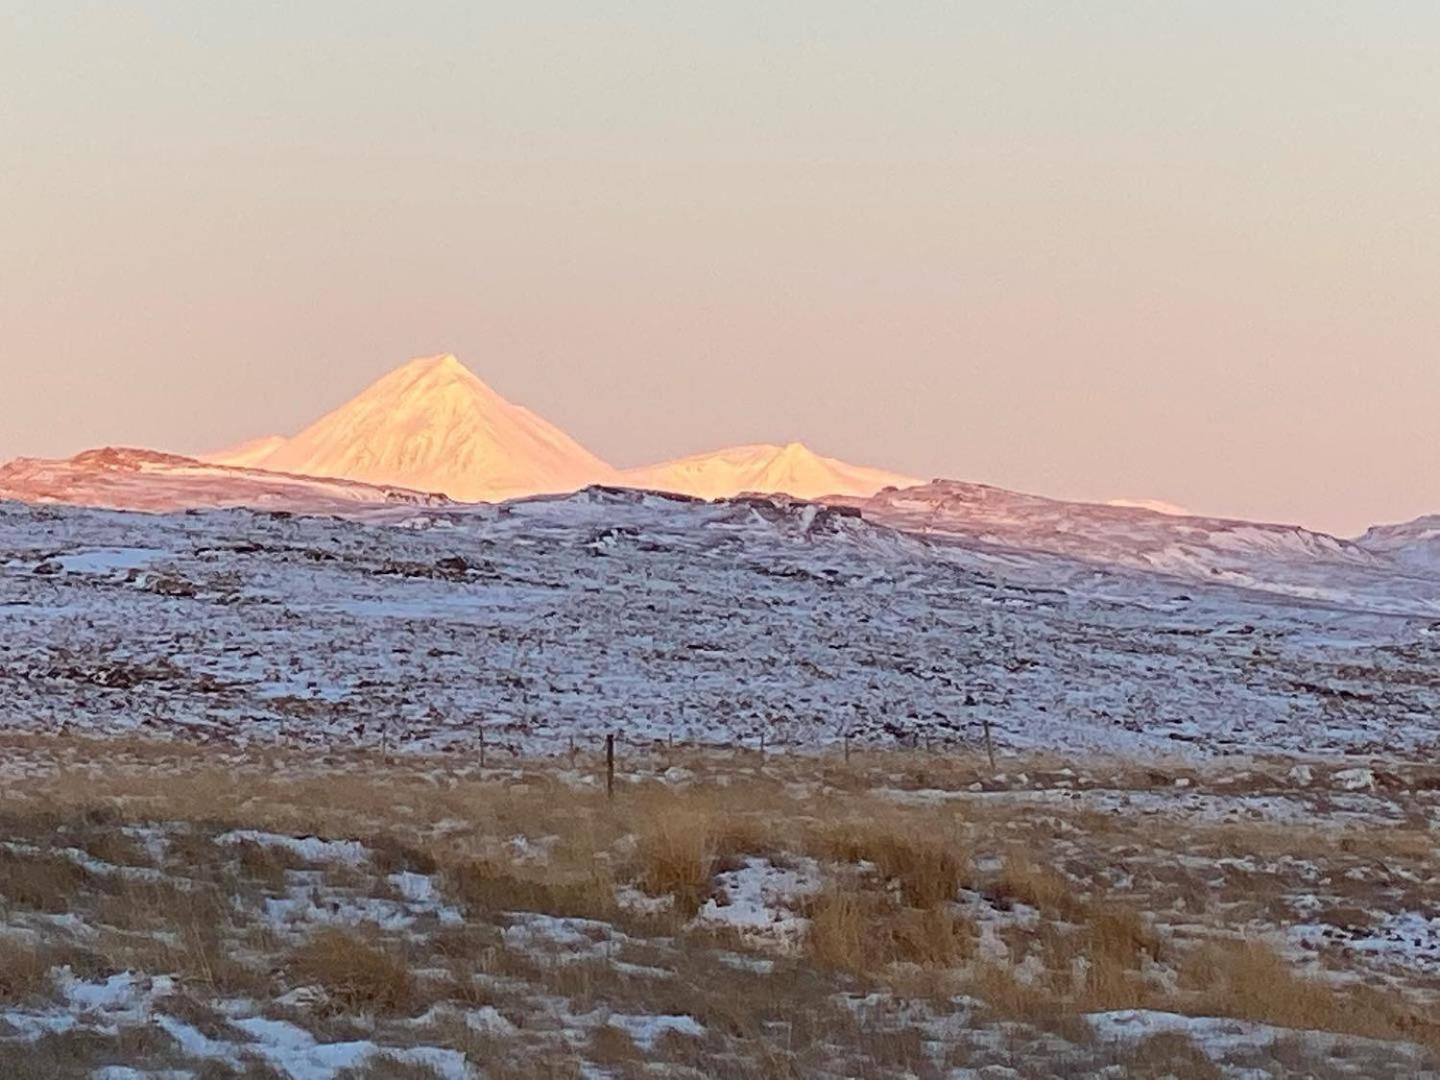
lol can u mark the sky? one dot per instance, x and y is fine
(1186, 251)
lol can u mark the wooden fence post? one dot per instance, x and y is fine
(482, 746)
(989, 743)
(610, 765)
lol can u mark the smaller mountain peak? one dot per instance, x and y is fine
(795, 450)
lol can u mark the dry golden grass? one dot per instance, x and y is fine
(109, 844)
(24, 971)
(389, 1067)
(838, 937)
(1112, 902)
(1115, 933)
(1011, 998)
(488, 888)
(358, 976)
(677, 857)
(1169, 1054)
(1249, 980)
(163, 926)
(611, 1046)
(864, 932)
(1024, 880)
(265, 864)
(389, 855)
(930, 870)
(78, 1053)
(40, 880)
(931, 937)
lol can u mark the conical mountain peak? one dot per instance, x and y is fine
(444, 366)
(434, 425)
(430, 375)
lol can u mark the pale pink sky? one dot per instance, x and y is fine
(1186, 251)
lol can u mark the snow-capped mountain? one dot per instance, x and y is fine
(793, 469)
(433, 425)
(120, 478)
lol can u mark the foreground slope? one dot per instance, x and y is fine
(793, 469)
(284, 913)
(433, 425)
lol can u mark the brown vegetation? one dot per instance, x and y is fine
(358, 975)
(1044, 913)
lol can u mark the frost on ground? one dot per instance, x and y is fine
(172, 911)
(425, 629)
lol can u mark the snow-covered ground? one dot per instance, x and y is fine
(662, 617)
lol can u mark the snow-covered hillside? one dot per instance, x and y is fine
(1392, 569)
(1414, 544)
(433, 425)
(616, 610)
(1252, 555)
(128, 479)
(793, 469)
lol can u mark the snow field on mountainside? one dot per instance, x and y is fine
(175, 912)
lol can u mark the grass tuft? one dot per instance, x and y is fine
(357, 976)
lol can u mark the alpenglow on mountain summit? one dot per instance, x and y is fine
(433, 425)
